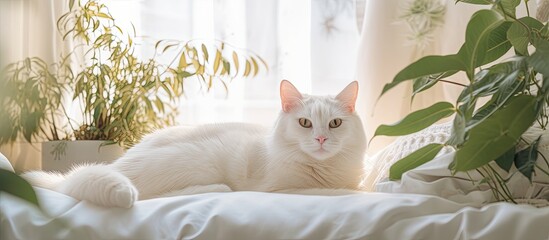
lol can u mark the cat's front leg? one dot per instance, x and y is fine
(320, 191)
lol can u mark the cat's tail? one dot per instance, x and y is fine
(99, 184)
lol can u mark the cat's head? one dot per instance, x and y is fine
(320, 126)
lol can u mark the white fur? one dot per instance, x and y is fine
(231, 156)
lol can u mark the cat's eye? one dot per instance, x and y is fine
(306, 123)
(335, 123)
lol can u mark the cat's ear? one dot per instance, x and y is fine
(289, 96)
(348, 96)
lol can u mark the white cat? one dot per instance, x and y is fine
(317, 143)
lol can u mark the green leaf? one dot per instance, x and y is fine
(507, 89)
(425, 82)
(217, 61)
(525, 160)
(485, 84)
(479, 2)
(71, 4)
(159, 105)
(182, 62)
(496, 134)
(17, 186)
(205, 52)
(510, 65)
(498, 44)
(477, 35)
(426, 66)
(417, 120)
(185, 74)
(415, 159)
(540, 59)
(519, 35)
(506, 160)
(104, 15)
(545, 31)
(458, 130)
(507, 7)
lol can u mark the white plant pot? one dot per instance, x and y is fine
(61, 156)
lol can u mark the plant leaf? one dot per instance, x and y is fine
(247, 68)
(417, 120)
(217, 61)
(477, 34)
(415, 159)
(498, 44)
(518, 35)
(479, 2)
(236, 61)
(540, 59)
(256, 66)
(507, 6)
(505, 161)
(182, 62)
(17, 186)
(205, 52)
(496, 134)
(425, 82)
(485, 85)
(525, 160)
(458, 130)
(506, 90)
(426, 66)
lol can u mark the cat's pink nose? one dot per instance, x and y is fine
(321, 139)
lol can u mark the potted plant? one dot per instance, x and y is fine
(485, 135)
(119, 96)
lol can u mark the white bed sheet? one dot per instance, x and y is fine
(255, 215)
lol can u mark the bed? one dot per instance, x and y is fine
(426, 204)
(256, 215)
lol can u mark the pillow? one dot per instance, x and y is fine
(5, 164)
(377, 167)
(434, 178)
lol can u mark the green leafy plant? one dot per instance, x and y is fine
(121, 97)
(517, 89)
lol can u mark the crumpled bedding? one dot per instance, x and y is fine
(256, 215)
(434, 177)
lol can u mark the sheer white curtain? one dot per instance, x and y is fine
(311, 43)
(27, 29)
